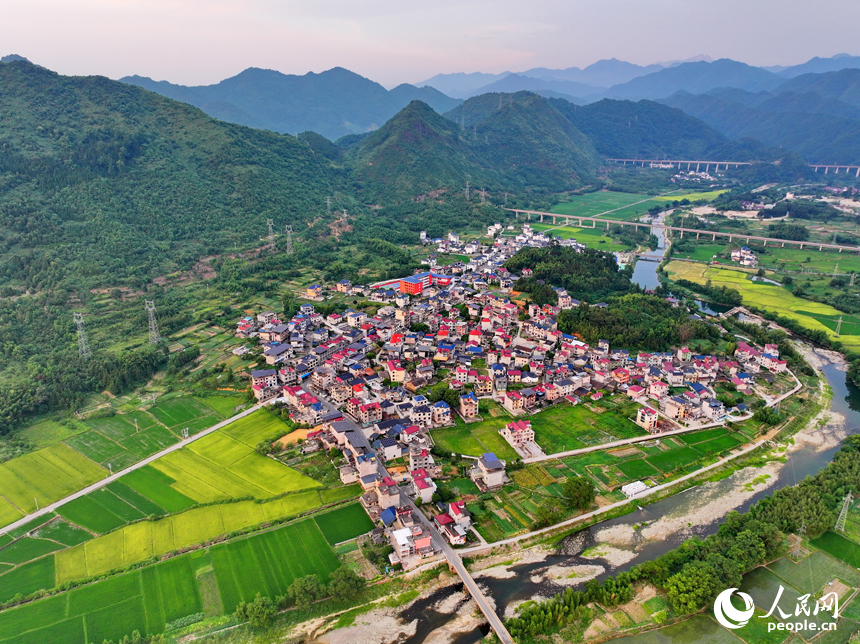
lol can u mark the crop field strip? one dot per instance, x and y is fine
(142, 600)
(139, 541)
(269, 562)
(344, 523)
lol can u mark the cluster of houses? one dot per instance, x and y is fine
(744, 256)
(362, 382)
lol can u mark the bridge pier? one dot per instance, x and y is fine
(541, 217)
(697, 235)
(714, 237)
(682, 234)
(765, 243)
(816, 168)
(730, 239)
(858, 172)
(801, 247)
(821, 248)
(826, 169)
(783, 244)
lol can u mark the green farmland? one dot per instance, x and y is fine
(140, 541)
(596, 204)
(344, 523)
(143, 600)
(776, 299)
(269, 562)
(591, 237)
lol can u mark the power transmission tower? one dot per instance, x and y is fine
(328, 205)
(83, 345)
(839, 325)
(843, 514)
(467, 191)
(852, 279)
(483, 196)
(798, 547)
(835, 269)
(154, 335)
(289, 230)
(270, 224)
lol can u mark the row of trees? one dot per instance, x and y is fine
(344, 584)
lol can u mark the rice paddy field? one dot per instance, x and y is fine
(591, 237)
(604, 203)
(777, 299)
(43, 476)
(143, 600)
(139, 541)
(78, 453)
(345, 523)
(268, 563)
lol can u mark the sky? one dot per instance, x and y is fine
(198, 42)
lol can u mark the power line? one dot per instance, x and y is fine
(154, 335)
(83, 345)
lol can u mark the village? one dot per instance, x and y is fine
(363, 385)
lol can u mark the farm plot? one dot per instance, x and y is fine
(95, 446)
(27, 578)
(181, 411)
(763, 585)
(637, 469)
(596, 204)
(139, 541)
(64, 533)
(344, 523)
(120, 427)
(155, 486)
(27, 549)
(840, 547)
(224, 406)
(145, 443)
(672, 459)
(250, 430)
(591, 237)
(47, 474)
(699, 629)
(564, 427)
(268, 563)
(144, 600)
(813, 573)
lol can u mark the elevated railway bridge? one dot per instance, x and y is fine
(698, 165)
(578, 221)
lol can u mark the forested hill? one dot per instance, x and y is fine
(523, 143)
(104, 183)
(645, 129)
(334, 103)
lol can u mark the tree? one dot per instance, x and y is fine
(580, 492)
(345, 583)
(334, 453)
(306, 590)
(260, 611)
(693, 587)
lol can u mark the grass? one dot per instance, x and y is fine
(45, 475)
(180, 410)
(776, 299)
(47, 432)
(94, 446)
(840, 547)
(564, 427)
(692, 196)
(142, 600)
(699, 629)
(344, 523)
(139, 541)
(268, 563)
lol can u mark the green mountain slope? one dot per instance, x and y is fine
(519, 143)
(334, 103)
(104, 183)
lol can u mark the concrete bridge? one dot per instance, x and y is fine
(578, 221)
(697, 165)
(679, 163)
(848, 168)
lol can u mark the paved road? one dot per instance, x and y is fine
(110, 479)
(457, 563)
(607, 508)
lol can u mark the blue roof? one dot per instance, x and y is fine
(470, 395)
(387, 516)
(492, 461)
